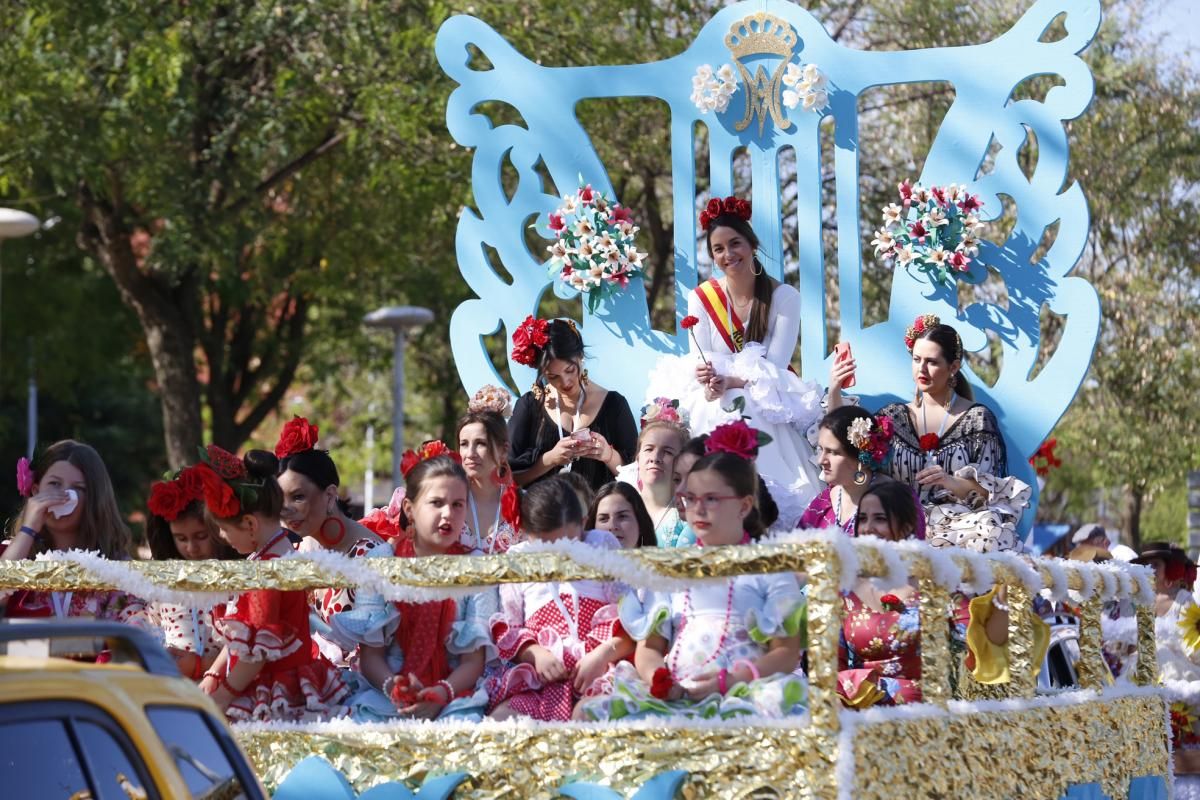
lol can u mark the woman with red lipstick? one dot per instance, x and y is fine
(425, 659)
(949, 448)
(847, 474)
(743, 330)
(566, 422)
(483, 447)
(718, 649)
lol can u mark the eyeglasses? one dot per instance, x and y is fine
(699, 502)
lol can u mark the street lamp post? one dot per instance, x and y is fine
(13, 225)
(398, 319)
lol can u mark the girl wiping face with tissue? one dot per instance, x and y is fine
(70, 505)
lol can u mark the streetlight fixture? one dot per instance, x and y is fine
(398, 319)
(13, 225)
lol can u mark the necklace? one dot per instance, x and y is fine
(491, 530)
(687, 613)
(937, 438)
(575, 417)
(837, 507)
(282, 534)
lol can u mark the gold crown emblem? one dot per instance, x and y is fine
(761, 34)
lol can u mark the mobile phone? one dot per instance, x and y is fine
(582, 435)
(841, 352)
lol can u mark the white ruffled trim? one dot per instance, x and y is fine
(128, 579)
(1112, 579)
(779, 397)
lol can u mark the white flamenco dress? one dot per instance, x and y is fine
(777, 401)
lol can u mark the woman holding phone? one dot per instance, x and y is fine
(566, 422)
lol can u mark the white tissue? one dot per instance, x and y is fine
(70, 504)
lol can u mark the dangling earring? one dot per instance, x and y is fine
(332, 540)
(920, 398)
(583, 378)
(860, 477)
(756, 263)
(538, 392)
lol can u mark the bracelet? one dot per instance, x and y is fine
(212, 675)
(998, 605)
(748, 664)
(449, 691)
(723, 681)
(37, 537)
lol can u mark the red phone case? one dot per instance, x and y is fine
(841, 352)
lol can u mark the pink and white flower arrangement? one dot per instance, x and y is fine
(664, 409)
(594, 250)
(934, 229)
(711, 91)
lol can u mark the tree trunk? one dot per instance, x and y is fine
(1136, 500)
(169, 336)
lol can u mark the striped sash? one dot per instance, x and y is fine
(722, 314)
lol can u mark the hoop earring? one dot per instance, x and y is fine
(583, 378)
(860, 477)
(756, 263)
(335, 539)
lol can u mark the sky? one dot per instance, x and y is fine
(1180, 21)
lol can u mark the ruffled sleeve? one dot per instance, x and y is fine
(988, 662)
(785, 326)
(507, 625)
(254, 628)
(372, 620)
(470, 630)
(642, 618)
(782, 610)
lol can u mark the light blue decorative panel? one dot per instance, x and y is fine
(314, 778)
(621, 340)
(663, 786)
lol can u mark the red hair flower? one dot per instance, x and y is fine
(218, 495)
(929, 441)
(661, 683)
(1044, 459)
(167, 500)
(510, 506)
(891, 602)
(430, 449)
(528, 340)
(296, 437)
(733, 206)
(191, 482)
(689, 322)
(737, 438)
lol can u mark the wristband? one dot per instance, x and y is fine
(748, 664)
(723, 681)
(37, 537)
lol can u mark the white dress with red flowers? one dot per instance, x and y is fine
(296, 683)
(569, 619)
(324, 603)
(776, 400)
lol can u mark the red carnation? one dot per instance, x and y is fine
(191, 483)
(737, 438)
(705, 220)
(929, 441)
(510, 506)
(167, 500)
(529, 337)
(891, 602)
(621, 214)
(689, 322)
(377, 522)
(430, 449)
(661, 683)
(296, 437)
(714, 207)
(225, 463)
(218, 495)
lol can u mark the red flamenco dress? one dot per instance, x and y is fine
(295, 683)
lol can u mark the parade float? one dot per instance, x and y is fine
(761, 77)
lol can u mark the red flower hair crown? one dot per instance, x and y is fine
(528, 340)
(430, 449)
(736, 438)
(732, 206)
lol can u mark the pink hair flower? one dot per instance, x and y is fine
(25, 477)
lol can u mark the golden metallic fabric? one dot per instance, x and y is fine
(1029, 754)
(1092, 671)
(1033, 754)
(1146, 672)
(935, 645)
(825, 612)
(533, 762)
(1022, 670)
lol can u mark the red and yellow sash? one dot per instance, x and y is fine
(719, 310)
